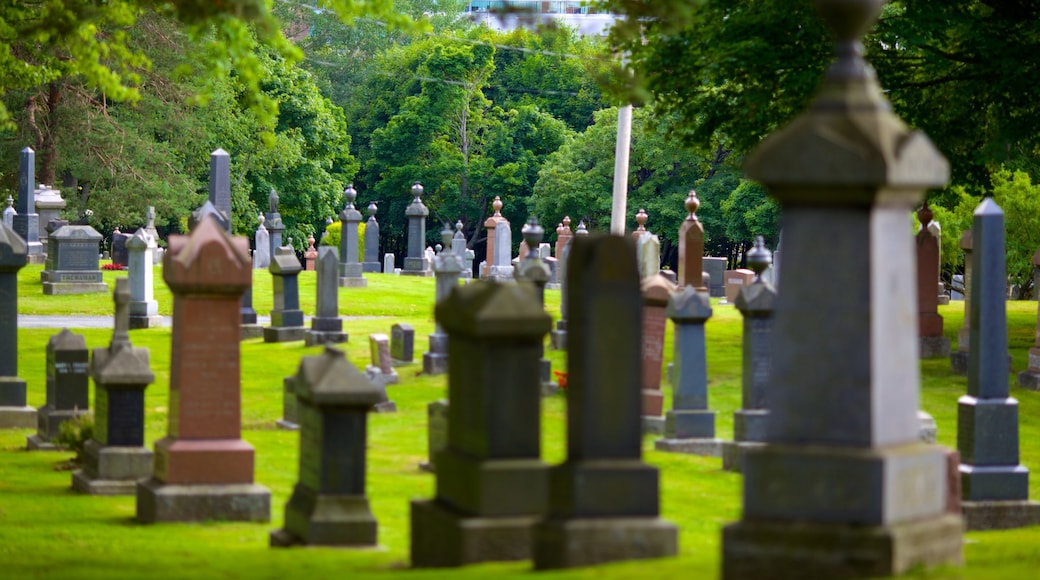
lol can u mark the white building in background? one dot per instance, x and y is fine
(506, 15)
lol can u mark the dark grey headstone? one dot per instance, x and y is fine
(416, 212)
(371, 261)
(26, 221)
(68, 386)
(12, 387)
(220, 182)
(120, 256)
(402, 343)
(286, 316)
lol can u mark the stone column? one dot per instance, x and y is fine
(351, 270)
(491, 224)
(14, 413)
(994, 485)
(203, 469)
(691, 246)
(414, 263)
(371, 263)
(310, 255)
(273, 223)
(144, 310)
(656, 292)
(115, 457)
(756, 303)
(328, 506)
(930, 324)
(446, 267)
(491, 482)
(286, 316)
(605, 505)
(532, 269)
(26, 221)
(843, 487)
(68, 388)
(327, 325)
(959, 357)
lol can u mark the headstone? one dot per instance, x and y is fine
(9, 213)
(402, 344)
(1029, 378)
(756, 303)
(68, 388)
(691, 246)
(428, 255)
(14, 412)
(604, 505)
(959, 357)
(994, 485)
(153, 235)
(273, 223)
(115, 457)
(465, 255)
(649, 252)
(327, 325)
(715, 270)
(558, 337)
(290, 417)
(491, 482)
(206, 210)
(736, 280)
(388, 263)
(502, 268)
(220, 181)
(930, 323)
(534, 270)
(415, 263)
(286, 316)
(262, 254)
(49, 204)
(371, 262)
(843, 488)
(26, 221)
(120, 257)
(381, 370)
(436, 433)
(446, 267)
(143, 308)
(310, 255)
(203, 469)
(72, 263)
(328, 506)
(351, 271)
(491, 224)
(656, 292)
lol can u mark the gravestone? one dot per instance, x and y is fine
(120, 256)
(262, 240)
(843, 488)
(389, 263)
(26, 221)
(558, 337)
(649, 251)
(604, 505)
(327, 325)
(415, 263)
(756, 303)
(328, 506)
(68, 388)
(691, 246)
(143, 308)
(465, 255)
(153, 235)
(959, 357)
(371, 262)
(203, 468)
(49, 204)
(930, 324)
(9, 212)
(491, 482)
(446, 267)
(502, 268)
(436, 433)
(656, 291)
(14, 412)
(1029, 378)
(310, 255)
(715, 276)
(491, 224)
(286, 316)
(115, 457)
(402, 344)
(690, 425)
(994, 485)
(381, 370)
(290, 419)
(72, 264)
(351, 273)
(534, 270)
(206, 210)
(220, 181)
(736, 280)
(274, 225)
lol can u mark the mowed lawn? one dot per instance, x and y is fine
(47, 531)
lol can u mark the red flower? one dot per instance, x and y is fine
(561, 378)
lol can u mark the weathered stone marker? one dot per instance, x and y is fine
(930, 323)
(262, 241)
(371, 263)
(534, 270)
(446, 267)
(1029, 378)
(351, 270)
(14, 412)
(959, 357)
(273, 223)
(436, 433)
(656, 291)
(843, 488)
(72, 262)
(144, 310)
(415, 263)
(491, 482)
(691, 246)
(286, 316)
(327, 325)
(27, 221)
(604, 504)
(381, 370)
(402, 343)
(290, 417)
(115, 457)
(491, 224)
(328, 506)
(203, 469)
(120, 256)
(68, 388)
(994, 485)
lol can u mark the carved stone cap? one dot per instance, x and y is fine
(689, 305)
(330, 379)
(124, 367)
(657, 290)
(487, 309)
(209, 260)
(13, 250)
(417, 208)
(67, 340)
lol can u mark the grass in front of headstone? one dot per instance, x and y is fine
(49, 531)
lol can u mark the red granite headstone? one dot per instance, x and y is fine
(691, 246)
(656, 291)
(929, 321)
(735, 280)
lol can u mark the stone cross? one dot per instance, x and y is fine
(144, 310)
(691, 246)
(203, 468)
(656, 292)
(843, 475)
(328, 506)
(534, 270)
(68, 388)
(327, 325)
(604, 495)
(26, 221)
(371, 262)
(994, 485)
(286, 316)
(491, 482)
(115, 457)
(414, 263)
(351, 270)
(446, 267)
(14, 413)
(930, 323)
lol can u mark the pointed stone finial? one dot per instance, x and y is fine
(350, 194)
(567, 222)
(417, 190)
(272, 201)
(438, 248)
(848, 21)
(759, 258)
(641, 218)
(497, 206)
(372, 209)
(260, 218)
(692, 204)
(925, 215)
(310, 242)
(458, 230)
(446, 235)
(532, 233)
(581, 231)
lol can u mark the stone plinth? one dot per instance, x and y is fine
(68, 388)
(491, 482)
(14, 413)
(203, 469)
(286, 316)
(656, 291)
(144, 309)
(72, 262)
(328, 506)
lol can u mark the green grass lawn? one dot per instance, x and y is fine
(47, 531)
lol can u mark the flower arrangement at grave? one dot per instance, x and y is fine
(561, 379)
(111, 266)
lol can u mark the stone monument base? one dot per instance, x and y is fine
(1027, 379)
(706, 447)
(64, 288)
(550, 388)
(239, 502)
(934, 346)
(251, 331)
(927, 430)
(318, 337)
(371, 267)
(17, 417)
(326, 520)
(959, 362)
(379, 378)
(1000, 515)
(138, 322)
(38, 443)
(353, 282)
(287, 425)
(589, 541)
(443, 537)
(284, 333)
(36, 259)
(653, 425)
(733, 454)
(558, 339)
(780, 550)
(112, 470)
(434, 363)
